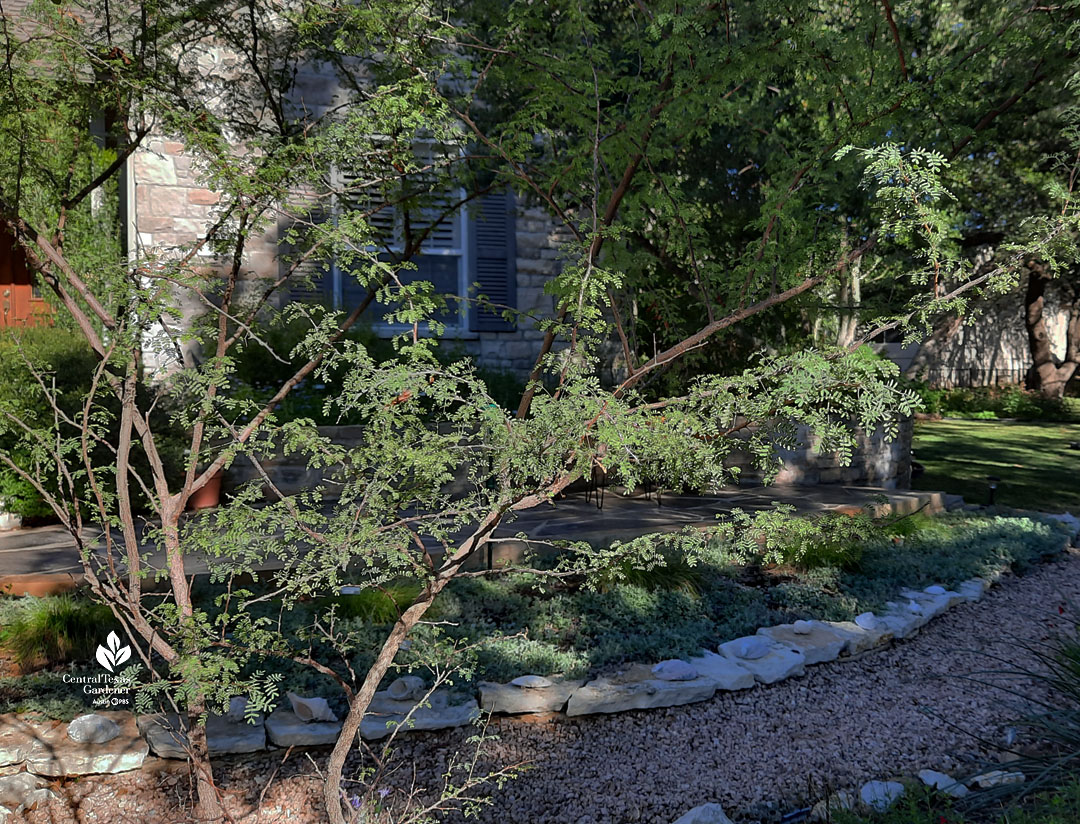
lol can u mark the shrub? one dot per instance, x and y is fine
(65, 363)
(45, 632)
(991, 402)
(502, 659)
(19, 496)
(675, 575)
(907, 526)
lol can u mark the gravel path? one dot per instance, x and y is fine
(892, 712)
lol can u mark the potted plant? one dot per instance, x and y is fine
(209, 495)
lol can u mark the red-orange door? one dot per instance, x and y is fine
(19, 304)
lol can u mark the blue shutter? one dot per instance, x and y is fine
(493, 259)
(313, 280)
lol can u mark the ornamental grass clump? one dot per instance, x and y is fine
(57, 629)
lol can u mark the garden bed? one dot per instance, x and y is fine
(521, 625)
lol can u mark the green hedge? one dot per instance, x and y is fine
(64, 362)
(993, 402)
(62, 359)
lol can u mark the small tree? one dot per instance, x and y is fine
(602, 115)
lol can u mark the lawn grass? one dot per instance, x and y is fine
(1037, 468)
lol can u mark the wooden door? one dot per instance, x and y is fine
(20, 304)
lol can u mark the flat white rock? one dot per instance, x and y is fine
(748, 648)
(934, 604)
(817, 642)
(17, 738)
(997, 778)
(167, 737)
(867, 620)
(637, 690)
(881, 795)
(777, 663)
(56, 754)
(532, 682)
(705, 814)
(943, 782)
(310, 709)
(674, 670)
(859, 639)
(901, 623)
(972, 590)
(824, 809)
(284, 728)
(92, 729)
(14, 789)
(726, 673)
(406, 688)
(801, 627)
(513, 698)
(385, 714)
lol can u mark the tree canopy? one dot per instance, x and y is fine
(722, 172)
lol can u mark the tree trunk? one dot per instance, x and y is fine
(335, 765)
(1048, 374)
(850, 298)
(208, 807)
(208, 804)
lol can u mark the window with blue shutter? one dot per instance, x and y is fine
(492, 261)
(467, 253)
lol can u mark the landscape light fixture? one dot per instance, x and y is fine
(993, 480)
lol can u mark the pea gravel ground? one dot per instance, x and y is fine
(759, 752)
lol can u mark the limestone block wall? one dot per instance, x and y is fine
(876, 462)
(173, 209)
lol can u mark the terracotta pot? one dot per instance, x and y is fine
(209, 496)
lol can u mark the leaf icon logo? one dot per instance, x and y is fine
(113, 654)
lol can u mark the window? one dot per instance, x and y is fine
(466, 251)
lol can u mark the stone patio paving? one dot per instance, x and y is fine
(47, 556)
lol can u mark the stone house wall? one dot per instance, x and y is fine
(171, 208)
(876, 463)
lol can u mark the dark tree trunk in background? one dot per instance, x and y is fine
(1049, 374)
